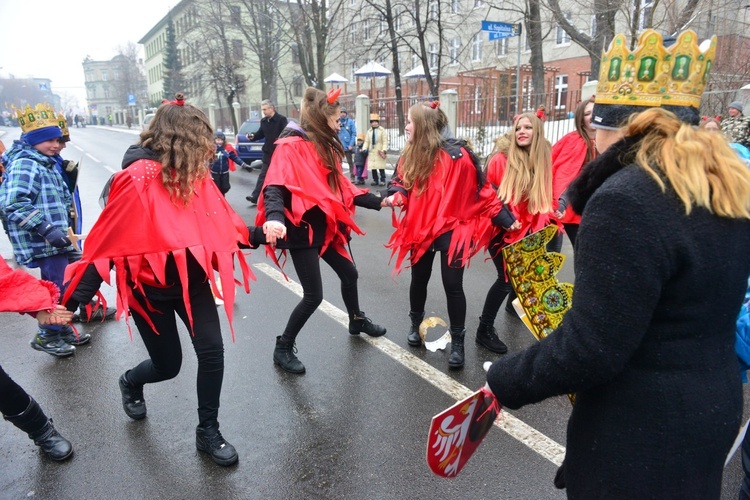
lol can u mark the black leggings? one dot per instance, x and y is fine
(555, 244)
(13, 399)
(499, 290)
(453, 284)
(166, 353)
(307, 264)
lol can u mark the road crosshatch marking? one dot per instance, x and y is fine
(514, 427)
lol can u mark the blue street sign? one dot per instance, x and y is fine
(131, 99)
(499, 30)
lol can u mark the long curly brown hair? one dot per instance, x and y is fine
(313, 118)
(182, 137)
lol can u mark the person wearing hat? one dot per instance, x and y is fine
(648, 345)
(360, 160)
(376, 145)
(736, 128)
(226, 157)
(348, 137)
(35, 201)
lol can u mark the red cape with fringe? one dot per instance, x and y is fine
(22, 292)
(141, 226)
(448, 202)
(296, 166)
(531, 222)
(568, 155)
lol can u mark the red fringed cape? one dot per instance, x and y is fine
(531, 222)
(141, 226)
(448, 202)
(21, 292)
(297, 166)
(568, 155)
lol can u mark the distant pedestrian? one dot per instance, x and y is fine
(376, 145)
(165, 229)
(271, 126)
(360, 160)
(224, 160)
(736, 128)
(348, 135)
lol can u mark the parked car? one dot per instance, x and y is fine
(246, 149)
(147, 120)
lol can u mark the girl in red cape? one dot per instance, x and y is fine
(569, 155)
(21, 292)
(448, 207)
(307, 200)
(165, 229)
(523, 176)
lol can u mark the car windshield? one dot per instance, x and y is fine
(250, 127)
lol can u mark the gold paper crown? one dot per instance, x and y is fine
(41, 116)
(653, 75)
(63, 124)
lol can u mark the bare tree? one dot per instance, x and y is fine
(129, 78)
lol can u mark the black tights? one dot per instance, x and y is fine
(453, 284)
(500, 289)
(13, 399)
(307, 264)
(166, 353)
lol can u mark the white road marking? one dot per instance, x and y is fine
(538, 442)
(110, 169)
(79, 148)
(97, 161)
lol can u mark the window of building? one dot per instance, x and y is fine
(561, 91)
(366, 29)
(561, 36)
(455, 6)
(455, 47)
(433, 55)
(116, 75)
(644, 8)
(352, 68)
(476, 47)
(478, 3)
(237, 49)
(353, 32)
(397, 22)
(383, 24)
(297, 86)
(501, 47)
(526, 42)
(104, 76)
(433, 9)
(106, 92)
(295, 54)
(234, 13)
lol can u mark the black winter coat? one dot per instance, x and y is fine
(648, 346)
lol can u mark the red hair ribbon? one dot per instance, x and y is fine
(435, 104)
(179, 100)
(333, 95)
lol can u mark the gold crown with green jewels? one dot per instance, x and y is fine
(654, 75)
(41, 116)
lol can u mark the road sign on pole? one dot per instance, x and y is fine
(499, 30)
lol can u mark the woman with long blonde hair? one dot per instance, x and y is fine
(166, 228)
(448, 207)
(648, 347)
(307, 208)
(523, 176)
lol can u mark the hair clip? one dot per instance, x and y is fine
(333, 95)
(435, 104)
(179, 100)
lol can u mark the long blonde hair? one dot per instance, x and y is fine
(313, 118)
(528, 171)
(420, 152)
(700, 166)
(182, 137)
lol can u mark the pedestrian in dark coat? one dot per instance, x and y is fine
(270, 128)
(648, 346)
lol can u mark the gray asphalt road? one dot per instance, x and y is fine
(354, 426)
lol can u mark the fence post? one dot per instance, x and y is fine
(211, 116)
(449, 105)
(362, 110)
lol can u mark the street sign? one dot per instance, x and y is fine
(131, 99)
(498, 30)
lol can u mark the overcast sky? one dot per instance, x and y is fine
(50, 39)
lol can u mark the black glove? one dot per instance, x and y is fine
(246, 166)
(69, 166)
(53, 235)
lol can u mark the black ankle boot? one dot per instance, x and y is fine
(283, 355)
(456, 359)
(209, 440)
(487, 338)
(132, 398)
(359, 323)
(35, 423)
(413, 337)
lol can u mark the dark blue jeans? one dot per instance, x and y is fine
(53, 269)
